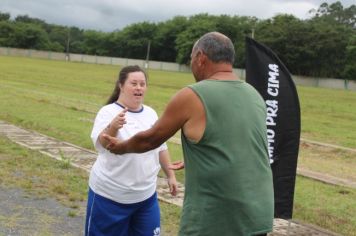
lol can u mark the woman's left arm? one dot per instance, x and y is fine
(164, 161)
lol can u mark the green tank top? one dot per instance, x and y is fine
(228, 179)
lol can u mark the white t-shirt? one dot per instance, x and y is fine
(128, 178)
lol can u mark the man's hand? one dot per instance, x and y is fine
(113, 144)
(177, 165)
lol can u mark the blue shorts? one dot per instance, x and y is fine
(107, 217)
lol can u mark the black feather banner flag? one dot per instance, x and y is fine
(270, 77)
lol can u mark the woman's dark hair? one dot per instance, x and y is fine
(124, 73)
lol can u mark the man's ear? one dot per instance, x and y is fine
(201, 58)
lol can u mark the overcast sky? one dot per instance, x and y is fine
(109, 15)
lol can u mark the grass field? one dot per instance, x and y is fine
(45, 177)
(60, 99)
(81, 89)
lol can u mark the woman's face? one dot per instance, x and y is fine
(134, 88)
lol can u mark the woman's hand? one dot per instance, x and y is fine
(173, 186)
(111, 130)
(119, 120)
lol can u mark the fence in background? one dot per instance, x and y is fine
(168, 66)
(155, 65)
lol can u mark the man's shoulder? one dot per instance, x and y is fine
(182, 99)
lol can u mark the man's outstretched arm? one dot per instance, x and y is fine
(173, 118)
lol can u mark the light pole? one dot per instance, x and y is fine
(148, 54)
(67, 46)
(254, 20)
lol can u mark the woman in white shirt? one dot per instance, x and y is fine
(122, 197)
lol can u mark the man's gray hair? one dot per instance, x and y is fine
(217, 47)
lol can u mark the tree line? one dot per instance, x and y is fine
(323, 45)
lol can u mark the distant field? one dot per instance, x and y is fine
(60, 99)
(57, 87)
(328, 115)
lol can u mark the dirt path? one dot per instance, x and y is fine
(24, 214)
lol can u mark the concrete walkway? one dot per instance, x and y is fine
(84, 159)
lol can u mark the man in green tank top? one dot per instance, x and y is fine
(228, 187)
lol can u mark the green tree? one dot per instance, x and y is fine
(321, 46)
(27, 35)
(28, 19)
(94, 42)
(133, 39)
(332, 27)
(335, 12)
(197, 26)
(59, 35)
(350, 65)
(328, 43)
(4, 16)
(76, 40)
(6, 30)
(164, 42)
(288, 37)
(114, 44)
